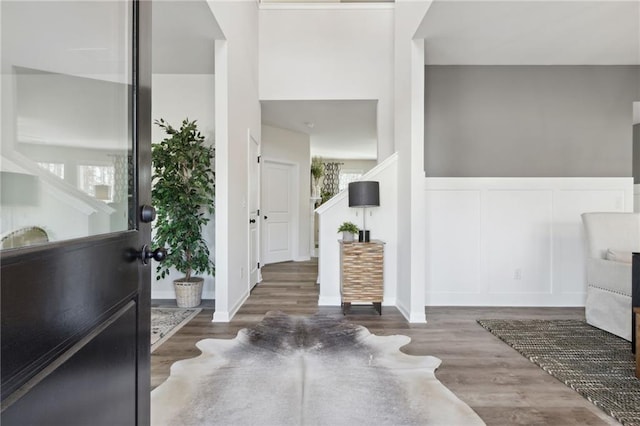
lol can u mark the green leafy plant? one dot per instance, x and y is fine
(317, 168)
(349, 227)
(325, 196)
(183, 192)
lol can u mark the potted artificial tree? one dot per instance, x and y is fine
(183, 193)
(348, 229)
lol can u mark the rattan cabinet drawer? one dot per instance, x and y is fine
(361, 273)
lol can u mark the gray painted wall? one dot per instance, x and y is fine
(636, 153)
(527, 121)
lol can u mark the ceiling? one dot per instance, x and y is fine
(520, 32)
(183, 36)
(466, 32)
(476, 32)
(344, 129)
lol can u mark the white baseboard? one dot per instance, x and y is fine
(389, 301)
(329, 301)
(221, 316)
(403, 310)
(509, 299)
(302, 258)
(418, 317)
(226, 316)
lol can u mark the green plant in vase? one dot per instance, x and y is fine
(348, 229)
(183, 194)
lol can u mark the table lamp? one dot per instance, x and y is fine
(364, 194)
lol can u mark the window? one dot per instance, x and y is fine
(55, 168)
(347, 176)
(90, 177)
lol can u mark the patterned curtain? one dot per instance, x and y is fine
(121, 178)
(331, 181)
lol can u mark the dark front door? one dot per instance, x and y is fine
(74, 175)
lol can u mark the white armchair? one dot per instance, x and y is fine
(610, 238)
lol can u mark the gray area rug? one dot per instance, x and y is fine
(166, 321)
(594, 363)
(306, 371)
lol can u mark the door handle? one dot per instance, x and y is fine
(252, 221)
(265, 218)
(145, 254)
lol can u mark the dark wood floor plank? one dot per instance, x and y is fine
(502, 386)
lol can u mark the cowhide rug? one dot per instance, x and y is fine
(306, 371)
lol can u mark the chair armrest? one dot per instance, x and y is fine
(635, 258)
(609, 275)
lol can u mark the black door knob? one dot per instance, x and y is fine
(265, 218)
(147, 213)
(252, 221)
(158, 254)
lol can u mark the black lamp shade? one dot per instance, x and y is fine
(364, 194)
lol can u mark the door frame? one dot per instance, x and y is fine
(142, 194)
(294, 201)
(250, 140)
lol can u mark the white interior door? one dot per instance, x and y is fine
(254, 212)
(277, 212)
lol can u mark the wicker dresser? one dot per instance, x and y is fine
(361, 273)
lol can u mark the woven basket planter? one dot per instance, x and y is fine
(188, 293)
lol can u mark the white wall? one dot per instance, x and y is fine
(179, 96)
(381, 221)
(45, 36)
(77, 214)
(337, 51)
(512, 241)
(174, 98)
(408, 132)
(293, 147)
(237, 113)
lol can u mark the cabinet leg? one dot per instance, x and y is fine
(378, 306)
(346, 307)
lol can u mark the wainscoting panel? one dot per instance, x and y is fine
(455, 241)
(518, 241)
(512, 241)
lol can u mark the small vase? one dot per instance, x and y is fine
(347, 237)
(315, 192)
(363, 236)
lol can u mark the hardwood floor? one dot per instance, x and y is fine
(502, 386)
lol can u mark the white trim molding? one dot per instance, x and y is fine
(512, 241)
(225, 316)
